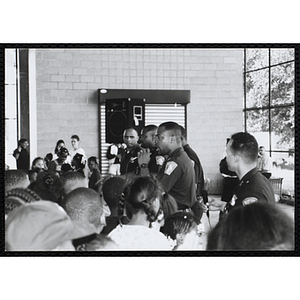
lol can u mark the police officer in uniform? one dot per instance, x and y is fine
(177, 175)
(242, 153)
(129, 156)
(147, 140)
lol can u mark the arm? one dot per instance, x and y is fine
(17, 152)
(143, 161)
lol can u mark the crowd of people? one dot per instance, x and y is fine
(153, 198)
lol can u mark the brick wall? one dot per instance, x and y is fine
(68, 79)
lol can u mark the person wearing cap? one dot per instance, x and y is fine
(177, 174)
(43, 226)
(56, 164)
(86, 205)
(15, 179)
(241, 157)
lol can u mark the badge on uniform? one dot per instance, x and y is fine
(249, 200)
(170, 167)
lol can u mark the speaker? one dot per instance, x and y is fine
(121, 114)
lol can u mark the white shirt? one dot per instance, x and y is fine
(138, 237)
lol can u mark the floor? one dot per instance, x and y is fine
(214, 217)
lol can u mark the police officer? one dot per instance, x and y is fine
(147, 140)
(241, 157)
(129, 156)
(177, 174)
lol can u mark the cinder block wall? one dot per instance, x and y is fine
(68, 79)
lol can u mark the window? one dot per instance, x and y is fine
(269, 100)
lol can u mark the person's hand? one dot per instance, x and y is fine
(204, 207)
(144, 156)
(215, 204)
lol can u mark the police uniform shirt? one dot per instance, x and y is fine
(129, 162)
(177, 176)
(199, 174)
(253, 187)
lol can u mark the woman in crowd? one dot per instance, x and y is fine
(183, 228)
(95, 178)
(257, 226)
(60, 144)
(56, 165)
(142, 199)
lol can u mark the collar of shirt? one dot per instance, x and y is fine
(248, 175)
(175, 153)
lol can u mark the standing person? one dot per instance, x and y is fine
(56, 165)
(264, 162)
(75, 141)
(242, 153)
(129, 163)
(230, 179)
(177, 175)
(114, 155)
(147, 140)
(21, 155)
(95, 178)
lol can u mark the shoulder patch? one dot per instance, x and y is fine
(170, 167)
(249, 200)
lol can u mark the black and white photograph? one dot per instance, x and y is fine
(149, 150)
(149, 147)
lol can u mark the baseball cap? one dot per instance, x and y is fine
(41, 226)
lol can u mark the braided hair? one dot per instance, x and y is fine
(140, 195)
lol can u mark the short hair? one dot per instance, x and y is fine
(172, 127)
(48, 186)
(112, 190)
(57, 143)
(94, 159)
(180, 223)
(35, 160)
(75, 136)
(183, 132)
(72, 180)
(140, 194)
(21, 141)
(257, 226)
(130, 128)
(15, 178)
(245, 144)
(148, 128)
(83, 205)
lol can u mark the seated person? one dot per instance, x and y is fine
(264, 162)
(48, 186)
(112, 191)
(15, 179)
(38, 164)
(184, 229)
(86, 205)
(71, 181)
(95, 242)
(257, 226)
(42, 226)
(142, 199)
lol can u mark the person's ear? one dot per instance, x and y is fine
(179, 238)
